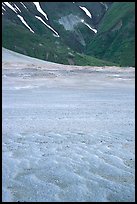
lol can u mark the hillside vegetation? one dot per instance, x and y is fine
(115, 40)
(45, 47)
(113, 44)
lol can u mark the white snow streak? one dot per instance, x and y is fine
(3, 8)
(11, 7)
(86, 11)
(2, 14)
(23, 5)
(17, 8)
(39, 18)
(24, 22)
(93, 29)
(40, 10)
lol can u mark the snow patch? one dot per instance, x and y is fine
(3, 8)
(93, 29)
(11, 7)
(24, 22)
(23, 5)
(71, 139)
(39, 18)
(39, 9)
(86, 11)
(17, 8)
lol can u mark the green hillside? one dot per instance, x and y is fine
(113, 44)
(44, 47)
(115, 40)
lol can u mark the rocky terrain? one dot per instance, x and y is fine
(68, 131)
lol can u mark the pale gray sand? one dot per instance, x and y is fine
(68, 132)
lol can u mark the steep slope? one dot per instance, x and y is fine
(115, 40)
(66, 20)
(45, 48)
(45, 34)
(81, 33)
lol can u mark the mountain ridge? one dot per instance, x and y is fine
(61, 32)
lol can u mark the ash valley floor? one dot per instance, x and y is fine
(68, 132)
